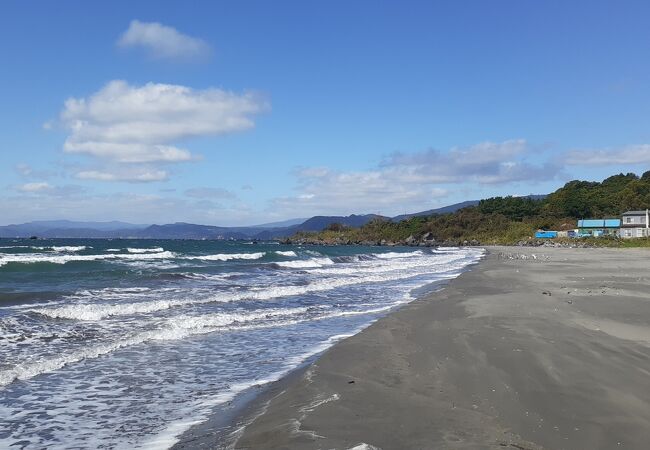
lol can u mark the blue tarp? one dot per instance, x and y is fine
(546, 234)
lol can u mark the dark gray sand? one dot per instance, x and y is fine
(533, 348)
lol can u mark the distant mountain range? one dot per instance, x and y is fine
(444, 210)
(181, 230)
(453, 208)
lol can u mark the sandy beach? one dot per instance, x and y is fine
(533, 348)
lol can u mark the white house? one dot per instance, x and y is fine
(635, 224)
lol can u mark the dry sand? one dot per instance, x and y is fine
(533, 348)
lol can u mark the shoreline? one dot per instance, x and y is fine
(521, 351)
(228, 420)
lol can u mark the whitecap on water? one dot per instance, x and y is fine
(145, 250)
(305, 263)
(228, 256)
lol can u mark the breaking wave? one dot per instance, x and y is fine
(28, 258)
(145, 250)
(177, 328)
(228, 256)
(305, 263)
(98, 311)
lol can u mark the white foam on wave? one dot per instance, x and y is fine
(63, 248)
(112, 292)
(228, 256)
(392, 255)
(54, 248)
(385, 265)
(63, 259)
(145, 250)
(69, 248)
(289, 254)
(364, 446)
(99, 311)
(180, 327)
(210, 276)
(305, 263)
(177, 328)
(195, 411)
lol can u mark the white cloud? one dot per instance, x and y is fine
(135, 125)
(129, 175)
(631, 154)
(40, 189)
(129, 152)
(163, 42)
(34, 187)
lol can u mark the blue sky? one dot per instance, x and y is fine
(234, 113)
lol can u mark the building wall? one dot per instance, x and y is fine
(630, 233)
(633, 220)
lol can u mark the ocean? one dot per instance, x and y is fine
(128, 343)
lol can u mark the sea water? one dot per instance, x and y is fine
(127, 343)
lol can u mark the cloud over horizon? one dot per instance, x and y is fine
(163, 42)
(405, 182)
(483, 163)
(325, 191)
(630, 154)
(75, 203)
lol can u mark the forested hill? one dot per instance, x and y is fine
(504, 220)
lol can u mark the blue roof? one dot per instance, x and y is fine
(599, 223)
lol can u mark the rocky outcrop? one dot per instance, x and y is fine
(426, 240)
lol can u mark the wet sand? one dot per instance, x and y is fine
(532, 348)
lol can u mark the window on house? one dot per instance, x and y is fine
(628, 220)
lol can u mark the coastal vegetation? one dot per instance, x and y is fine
(505, 220)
